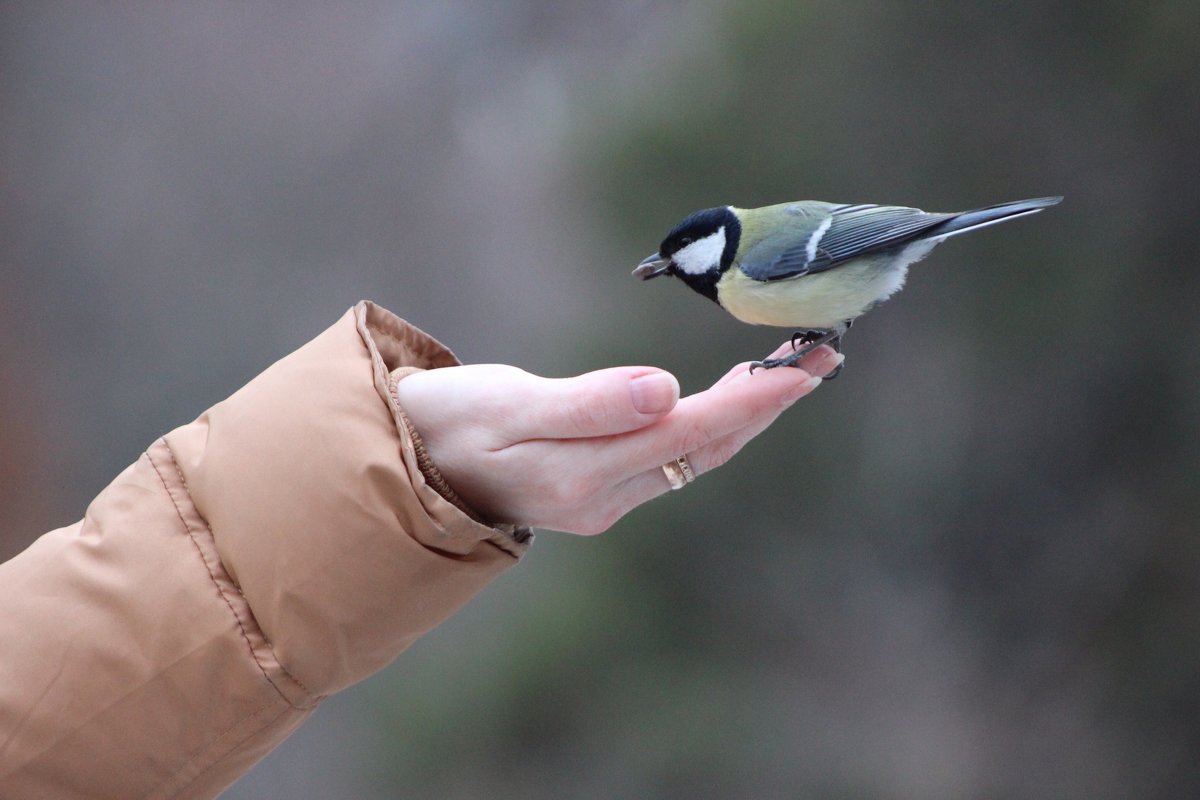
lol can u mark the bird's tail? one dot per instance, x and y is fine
(982, 217)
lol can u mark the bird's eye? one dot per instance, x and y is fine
(685, 241)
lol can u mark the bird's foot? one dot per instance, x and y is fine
(803, 343)
(807, 336)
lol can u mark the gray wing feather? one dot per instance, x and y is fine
(853, 231)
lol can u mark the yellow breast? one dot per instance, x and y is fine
(820, 300)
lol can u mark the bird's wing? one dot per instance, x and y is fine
(846, 233)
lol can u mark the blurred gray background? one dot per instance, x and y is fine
(968, 568)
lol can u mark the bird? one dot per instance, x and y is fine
(809, 265)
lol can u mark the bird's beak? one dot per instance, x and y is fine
(651, 267)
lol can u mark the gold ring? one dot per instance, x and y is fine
(679, 472)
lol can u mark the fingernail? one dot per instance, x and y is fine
(654, 393)
(796, 392)
(834, 362)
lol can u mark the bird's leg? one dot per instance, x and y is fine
(809, 344)
(803, 343)
(836, 344)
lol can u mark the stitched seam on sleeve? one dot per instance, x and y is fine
(511, 539)
(436, 481)
(217, 583)
(433, 475)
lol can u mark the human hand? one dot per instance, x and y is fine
(576, 454)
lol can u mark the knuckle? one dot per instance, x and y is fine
(590, 413)
(574, 492)
(721, 452)
(558, 496)
(695, 436)
(590, 527)
(596, 524)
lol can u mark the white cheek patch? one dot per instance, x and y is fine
(701, 255)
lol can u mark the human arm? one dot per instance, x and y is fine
(283, 546)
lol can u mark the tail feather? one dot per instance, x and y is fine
(990, 215)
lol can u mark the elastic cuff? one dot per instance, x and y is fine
(433, 476)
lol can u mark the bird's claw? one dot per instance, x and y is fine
(806, 336)
(810, 340)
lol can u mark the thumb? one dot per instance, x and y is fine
(601, 403)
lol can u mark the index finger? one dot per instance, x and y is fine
(705, 417)
(811, 363)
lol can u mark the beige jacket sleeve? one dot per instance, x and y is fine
(278, 549)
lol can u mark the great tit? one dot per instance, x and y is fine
(810, 265)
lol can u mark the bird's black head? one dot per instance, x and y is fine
(697, 250)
